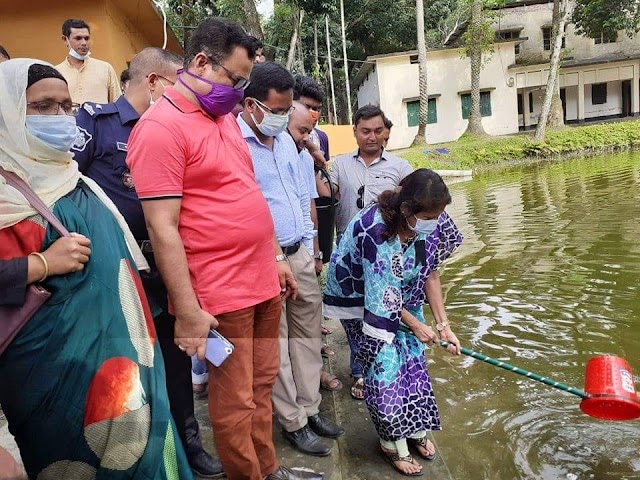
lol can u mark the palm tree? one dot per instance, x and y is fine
(474, 50)
(422, 68)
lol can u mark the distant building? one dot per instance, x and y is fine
(599, 78)
(119, 28)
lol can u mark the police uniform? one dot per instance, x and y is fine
(100, 149)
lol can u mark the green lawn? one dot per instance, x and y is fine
(482, 153)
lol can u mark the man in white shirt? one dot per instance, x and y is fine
(89, 79)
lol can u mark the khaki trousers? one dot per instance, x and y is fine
(240, 392)
(296, 393)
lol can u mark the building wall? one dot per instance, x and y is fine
(534, 17)
(369, 93)
(116, 35)
(449, 74)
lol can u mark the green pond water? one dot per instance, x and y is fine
(547, 278)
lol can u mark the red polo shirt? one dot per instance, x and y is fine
(177, 151)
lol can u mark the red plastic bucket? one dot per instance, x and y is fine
(609, 384)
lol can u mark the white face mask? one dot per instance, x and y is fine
(77, 56)
(425, 227)
(57, 131)
(272, 125)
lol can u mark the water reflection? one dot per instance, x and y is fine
(547, 278)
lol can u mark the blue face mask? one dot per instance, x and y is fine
(425, 227)
(57, 131)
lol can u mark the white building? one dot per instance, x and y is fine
(599, 79)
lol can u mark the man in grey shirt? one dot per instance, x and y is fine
(360, 177)
(364, 174)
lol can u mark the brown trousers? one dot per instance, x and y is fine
(240, 392)
(296, 394)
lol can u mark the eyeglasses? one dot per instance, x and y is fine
(239, 83)
(49, 107)
(283, 113)
(360, 201)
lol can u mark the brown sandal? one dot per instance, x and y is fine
(423, 442)
(392, 457)
(357, 389)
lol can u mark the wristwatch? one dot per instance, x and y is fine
(318, 256)
(281, 258)
(441, 326)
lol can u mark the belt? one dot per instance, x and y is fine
(291, 249)
(145, 246)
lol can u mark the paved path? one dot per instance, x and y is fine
(355, 456)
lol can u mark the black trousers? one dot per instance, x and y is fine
(177, 364)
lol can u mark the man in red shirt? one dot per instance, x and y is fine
(214, 241)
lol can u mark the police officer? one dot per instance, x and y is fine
(100, 150)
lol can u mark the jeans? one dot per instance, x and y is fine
(353, 329)
(199, 375)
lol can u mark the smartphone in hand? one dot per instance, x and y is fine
(218, 348)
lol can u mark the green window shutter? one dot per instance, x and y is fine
(413, 113)
(466, 105)
(433, 111)
(485, 104)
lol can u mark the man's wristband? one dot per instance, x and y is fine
(441, 326)
(281, 258)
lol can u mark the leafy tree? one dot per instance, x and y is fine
(593, 17)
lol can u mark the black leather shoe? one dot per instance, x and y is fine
(325, 427)
(306, 441)
(205, 466)
(284, 473)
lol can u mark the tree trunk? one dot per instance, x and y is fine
(554, 66)
(475, 56)
(556, 115)
(423, 116)
(300, 54)
(330, 71)
(316, 62)
(187, 16)
(346, 63)
(253, 26)
(299, 15)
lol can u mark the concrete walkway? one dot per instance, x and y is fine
(354, 457)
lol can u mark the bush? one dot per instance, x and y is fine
(477, 153)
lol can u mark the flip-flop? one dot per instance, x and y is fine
(329, 379)
(424, 443)
(358, 387)
(392, 457)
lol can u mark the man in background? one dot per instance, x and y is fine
(89, 79)
(125, 78)
(101, 150)
(310, 94)
(360, 177)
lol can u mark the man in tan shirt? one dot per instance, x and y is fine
(89, 79)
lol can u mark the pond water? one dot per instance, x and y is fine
(548, 277)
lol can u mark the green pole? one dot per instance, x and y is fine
(519, 371)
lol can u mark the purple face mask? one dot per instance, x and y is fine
(219, 101)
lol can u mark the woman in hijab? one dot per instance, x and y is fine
(83, 384)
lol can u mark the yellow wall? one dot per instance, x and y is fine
(119, 28)
(341, 139)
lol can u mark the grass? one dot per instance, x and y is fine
(489, 152)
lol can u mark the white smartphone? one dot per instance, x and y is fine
(218, 348)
